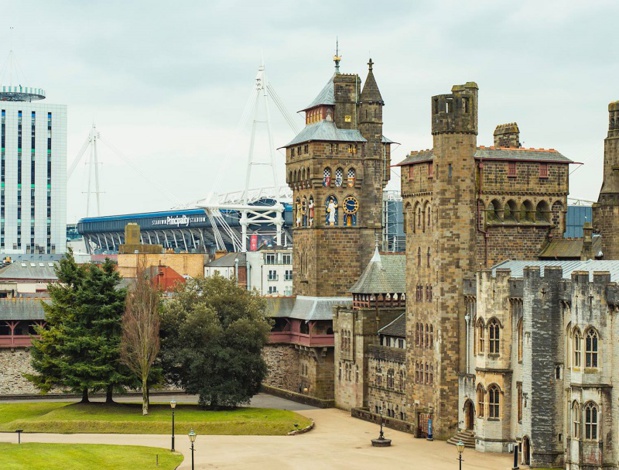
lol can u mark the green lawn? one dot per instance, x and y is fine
(86, 457)
(62, 417)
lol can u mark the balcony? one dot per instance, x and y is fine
(15, 341)
(291, 337)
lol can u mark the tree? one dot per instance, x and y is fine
(140, 338)
(212, 335)
(80, 347)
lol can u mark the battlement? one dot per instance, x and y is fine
(456, 113)
(522, 149)
(613, 119)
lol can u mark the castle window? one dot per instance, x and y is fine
(591, 348)
(481, 405)
(339, 177)
(520, 340)
(427, 374)
(428, 216)
(431, 374)
(425, 337)
(292, 152)
(519, 388)
(591, 421)
(430, 170)
(326, 179)
(577, 347)
(419, 256)
(431, 336)
(428, 262)
(576, 420)
(511, 169)
(390, 378)
(417, 334)
(494, 401)
(543, 170)
(465, 105)
(416, 372)
(351, 177)
(306, 149)
(480, 336)
(494, 330)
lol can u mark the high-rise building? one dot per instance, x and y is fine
(33, 172)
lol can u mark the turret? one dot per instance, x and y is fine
(371, 109)
(456, 113)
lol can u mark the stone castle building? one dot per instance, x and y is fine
(337, 168)
(467, 207)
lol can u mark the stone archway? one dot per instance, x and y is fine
(469, 415)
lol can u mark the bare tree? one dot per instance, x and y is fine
(140, 340)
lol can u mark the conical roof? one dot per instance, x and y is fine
(383, 274)
(325, 97)
(370, 92)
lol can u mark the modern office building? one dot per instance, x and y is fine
(33, 173)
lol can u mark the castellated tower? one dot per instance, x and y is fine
(337, 168)
(606, 211)
(466, 208)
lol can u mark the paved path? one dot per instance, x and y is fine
(338, 442)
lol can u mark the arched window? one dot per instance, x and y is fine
(481, 402)
(494, 331)
(591, 348)
(591, 421)
(480, 336)
(419, 256)
(494, 211)
(339, 177)
(542, 212)
(511, 211)
(527, 212)
(520, 340)
(577, 345)
(326, 178)
(426, 341)
(576, 420)
(494, 401)
(351, 177)
(428, 216)
(390, 378)
(427, 373)
(431, 335)
(429, 254)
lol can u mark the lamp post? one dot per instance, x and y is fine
(172, 405)
(192, 438)
(460, 447)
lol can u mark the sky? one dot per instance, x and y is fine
(167, 83)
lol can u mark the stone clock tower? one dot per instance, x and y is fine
(337, 168)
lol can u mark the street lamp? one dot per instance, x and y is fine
(460, 447)
(192, 438)
(172, 405)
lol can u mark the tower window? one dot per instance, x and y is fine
(591, 348)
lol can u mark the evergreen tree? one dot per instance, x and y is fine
(80, 347)
(212, 335)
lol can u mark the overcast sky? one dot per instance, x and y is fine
(166, 83)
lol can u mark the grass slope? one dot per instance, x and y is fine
(32, 456)
(61, 417)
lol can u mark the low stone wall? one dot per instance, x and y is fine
(283, 363)
(391, 423)
(13, 365)
(298, 397)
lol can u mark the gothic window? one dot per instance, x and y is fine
(339, 177)
(416, 334)
(416, 372)
(494, 401)
(390, 378)
(431, 336)
(576, 420)
(326, 177)
(494, 331)
(419, 256)
(419, 217)
(520, 340)
(428, 216)
(351, 177)
(427, 374)
(480, 336)
(519, 388)
(425, 336)
(428, 258)
(591, 421)
(331, 211)
(431, 374)
(481, 404)
(401, 381)
(356, 374)
(577, 347)
(591, 348)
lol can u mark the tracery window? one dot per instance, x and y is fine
(576, 420)
(494, 401)
(577, 347)
(351, 177)
(494, 336)
(481, 405)
(591, 421)
(339, 177)
(591, 348)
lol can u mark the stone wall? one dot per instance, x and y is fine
(283, 364)
(13, 365)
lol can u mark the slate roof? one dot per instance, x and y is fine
(496, 153)
(227, 260)
(370, 92)
(325, 97)
(396, 328)
(21, 309)
(384, 274)
(326, 130)
(279, 307)
(317, 308)
(568, 248)
(517, 267)
(31, 270)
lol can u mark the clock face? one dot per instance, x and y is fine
(351, 205)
